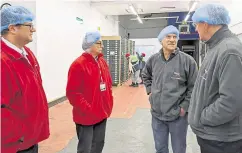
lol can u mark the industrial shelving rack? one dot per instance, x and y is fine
(114, 52)
(124, 61)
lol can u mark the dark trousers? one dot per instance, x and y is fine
(33, 149)
(140, 75)
(91, 138)
(177, 130)
(209, 146)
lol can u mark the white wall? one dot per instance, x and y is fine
(240, 37)
(147, 46)
(237, 29)
(235, 13)
(59, 38)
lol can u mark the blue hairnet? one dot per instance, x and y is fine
(15, 15)
(168, 30)
(213, 14)
(90, 39)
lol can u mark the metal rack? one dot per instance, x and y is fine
(114, 52)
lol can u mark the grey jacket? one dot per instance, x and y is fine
(215, 111)
(170, 82)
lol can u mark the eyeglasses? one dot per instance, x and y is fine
(99, 43)
(194, 24)
(31, 26)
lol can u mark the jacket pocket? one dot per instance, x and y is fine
(155, 102)
(234, 126)
(12, 128)
(227, 129)
(174, 112)
(178, 79)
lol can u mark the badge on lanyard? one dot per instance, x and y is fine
(102, 86)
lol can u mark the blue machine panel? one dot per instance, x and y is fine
(178, 21)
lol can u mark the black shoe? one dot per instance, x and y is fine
(136, 85)
(132, 84)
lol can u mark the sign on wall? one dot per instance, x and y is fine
(80, 20)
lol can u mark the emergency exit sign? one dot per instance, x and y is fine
(79, 20)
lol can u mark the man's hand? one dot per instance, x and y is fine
(182, 112)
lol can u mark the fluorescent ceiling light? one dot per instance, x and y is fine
(133, 10)
(139, 19)
(168, 7)
(135, 13)
(193, 7)
(188, 15)
(191, 10)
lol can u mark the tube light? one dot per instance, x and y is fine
(191, 10)
(193, 7)
(133, 10)
(139, 19)
(188, 15)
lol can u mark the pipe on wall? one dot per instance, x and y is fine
(157, 18)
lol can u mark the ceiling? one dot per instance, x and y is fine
(121, 7)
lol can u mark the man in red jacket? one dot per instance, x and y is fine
(24, 109)
(89, 92)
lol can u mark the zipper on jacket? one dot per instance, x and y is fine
(163, 77)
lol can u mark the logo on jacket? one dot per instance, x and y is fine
(176, 75)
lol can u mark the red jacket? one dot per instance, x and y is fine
(24, 109)
(90, 104)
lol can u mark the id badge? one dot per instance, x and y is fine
(102, 86)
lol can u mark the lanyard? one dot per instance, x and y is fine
(100, 72)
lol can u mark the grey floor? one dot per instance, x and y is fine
(132, 136)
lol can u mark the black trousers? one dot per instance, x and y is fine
(91, 138)
(33, 149)
(140, 74)
(209, 146)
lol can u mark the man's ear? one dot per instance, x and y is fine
(206, 27)
(12, 29)
(161, 42)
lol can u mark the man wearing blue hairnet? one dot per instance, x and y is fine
(169, 77)
(89, 92)
(215, 112)
(24, 108)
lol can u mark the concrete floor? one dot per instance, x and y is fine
(132, 136)
(128, 128)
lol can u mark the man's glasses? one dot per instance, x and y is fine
(194, 24)
(31, 26)
(100, 44)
